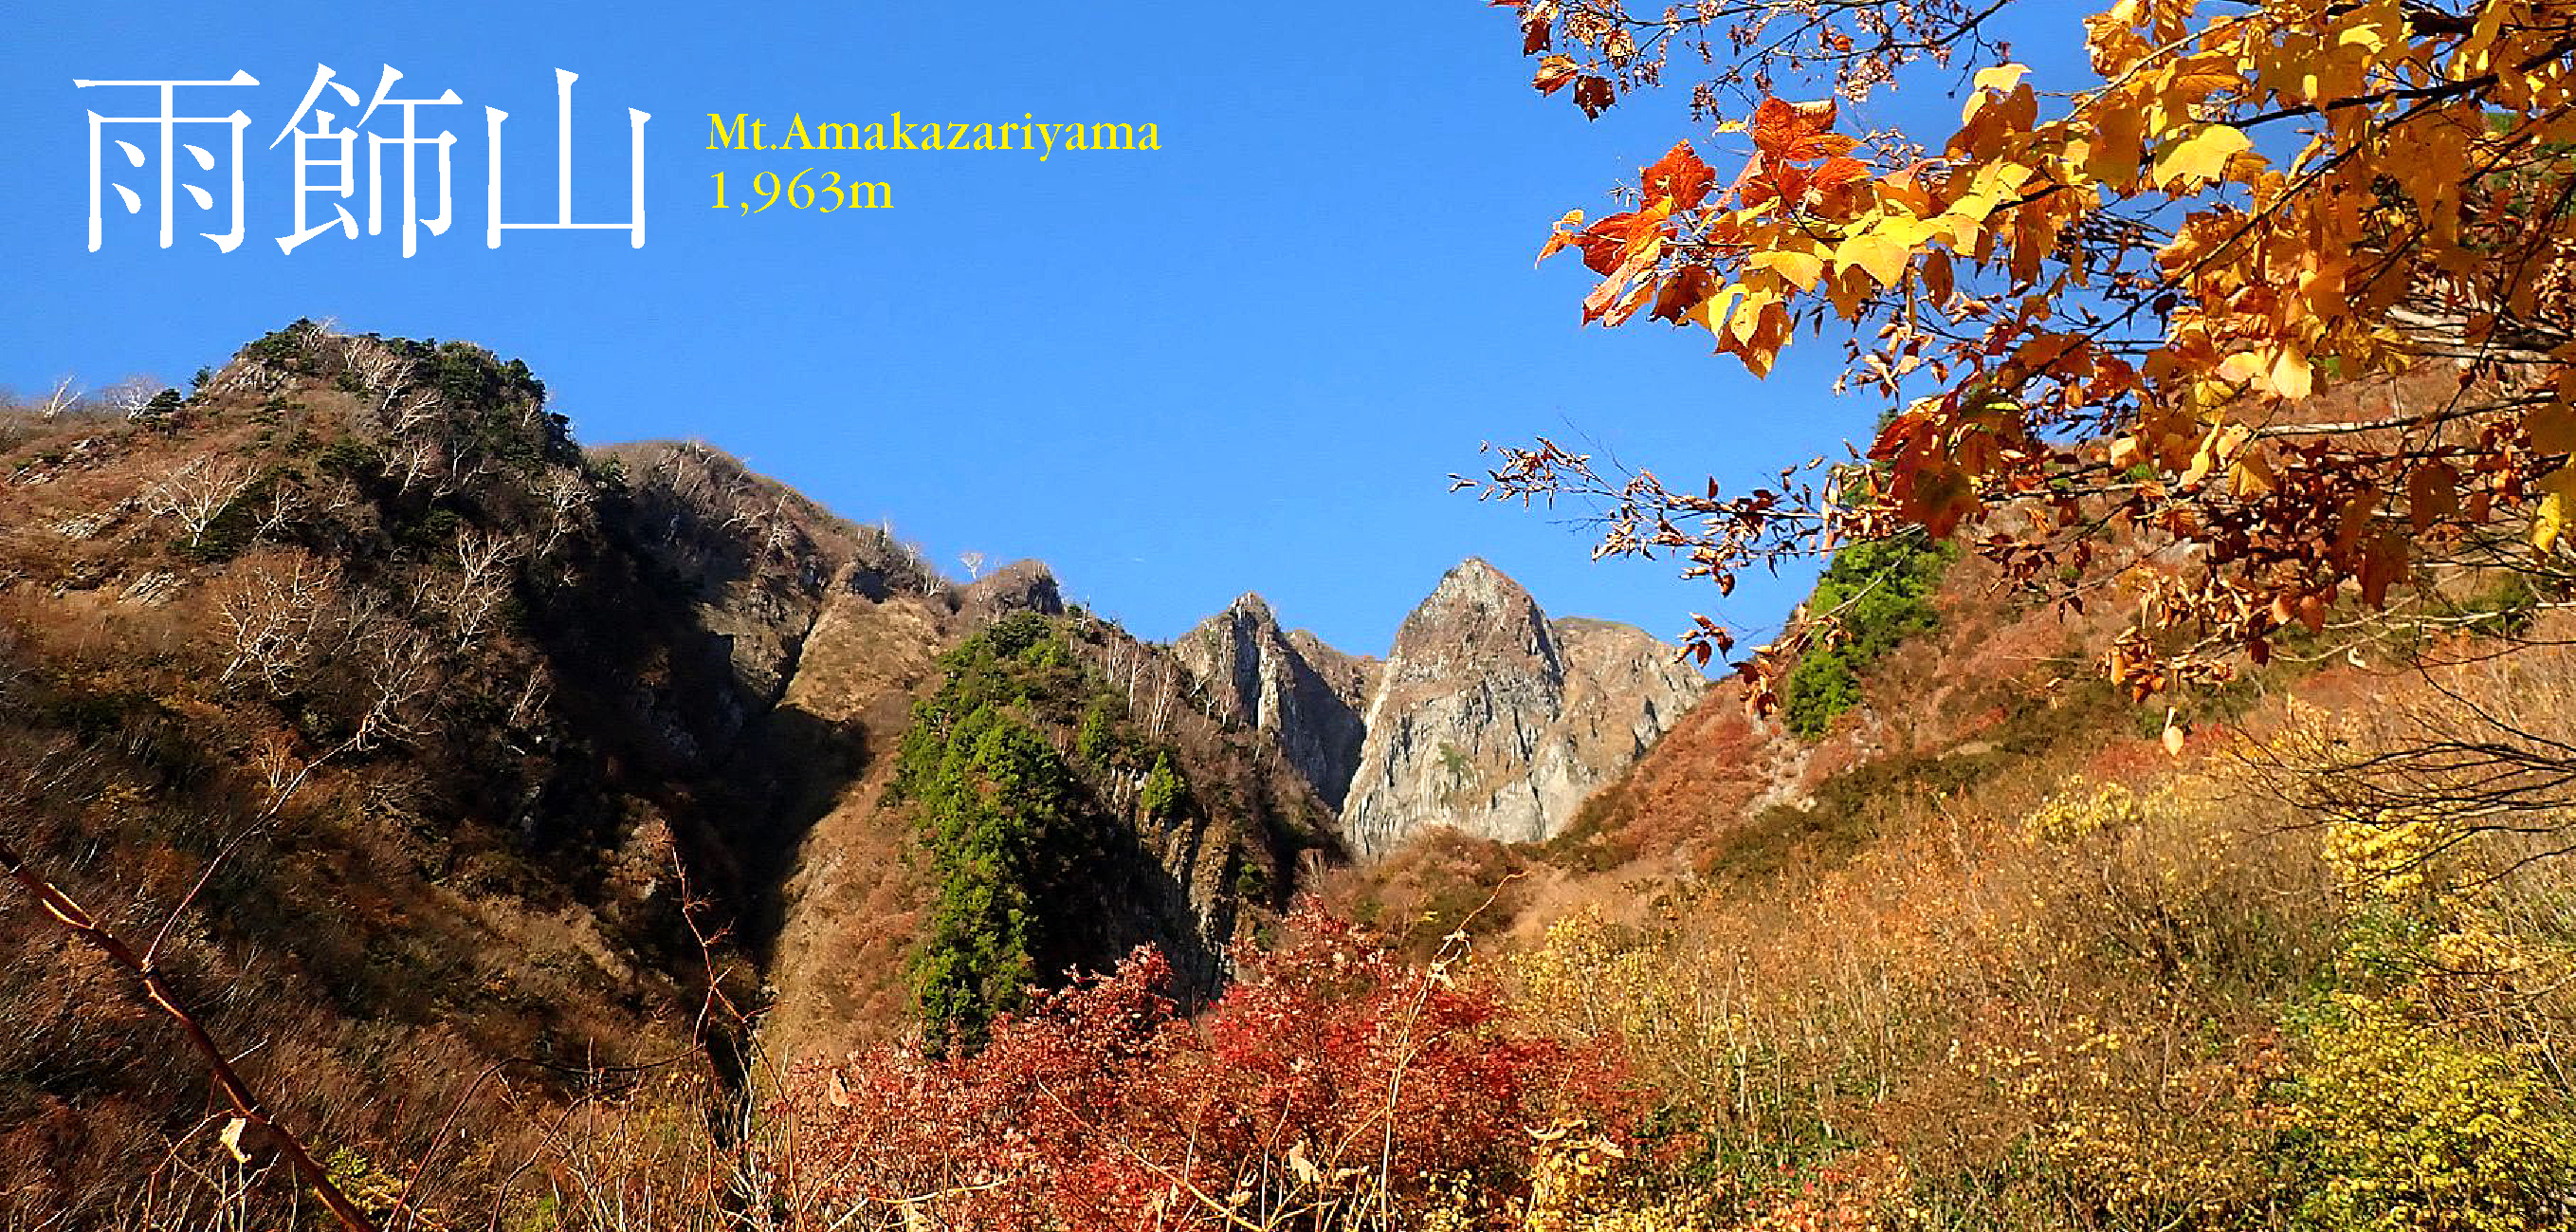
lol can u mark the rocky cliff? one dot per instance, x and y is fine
(854, 889)
(1495, 720)
(1304, 694)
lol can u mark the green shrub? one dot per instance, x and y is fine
(1166, 795)
(1883, 592)
(998, 812)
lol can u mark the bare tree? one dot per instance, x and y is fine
(974, 562)
(131, 394)
(275, 513)
(377, 365)
(413, 461)
(199, 494)
(406, 413)
(464, 466)
(400, 666)
(64, 394)
(1163, 695)
(565, 492)
(485, 559)
(782, 533)
(316, 337)
(272, 613)
(534, 696)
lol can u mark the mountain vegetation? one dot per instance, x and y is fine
(2156, 820)
(395, 788)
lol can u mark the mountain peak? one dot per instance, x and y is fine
(1476, 612)
(1251, 604)
(1304, 693)
(1021, 586)
(1491, 718)
(1477, 571)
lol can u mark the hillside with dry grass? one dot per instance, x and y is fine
(416, 821)
(455, 783)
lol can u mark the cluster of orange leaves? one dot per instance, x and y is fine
(2122, 313)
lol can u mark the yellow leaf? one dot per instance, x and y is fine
(2252, 474)
(1713, 311)
(2118, 133)
(2000, 77)
(1884, 258)
(1747, 317)
(1906, 230)
(2559, 493)
(1802, 269)
(1964, 230)
(2201, 156)
(2291, 376)
(2238, 368)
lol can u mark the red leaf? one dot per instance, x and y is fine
(1594, 95)
(1606, 242)
(1680, 175)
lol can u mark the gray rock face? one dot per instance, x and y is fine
(1306, 695)
(1021, 586)
(1493, 719)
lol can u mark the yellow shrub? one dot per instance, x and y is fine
(2077, 812)
(2383, 858)
(2396, 1125)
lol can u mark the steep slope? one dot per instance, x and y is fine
(1304, 694)
(1493, 720)
(360, 639)
(429, 746)
(1125, 867)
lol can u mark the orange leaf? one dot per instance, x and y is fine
(2383, 564)
(1825, 145)
(1554, 74)
(1686, 289)
(1679, 175)
(2432, 494)
(1775, 127)
(1605, 243)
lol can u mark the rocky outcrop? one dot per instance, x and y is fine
(851, 883)
(1021, 586)
(1491, 718)
(1304, 694)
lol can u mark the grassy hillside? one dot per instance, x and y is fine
(476, 795)
(616, 841)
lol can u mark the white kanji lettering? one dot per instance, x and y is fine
(166, 159)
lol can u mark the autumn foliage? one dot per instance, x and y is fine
(2102, 311)
(1333, 1086)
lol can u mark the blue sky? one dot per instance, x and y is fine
(1248, 361)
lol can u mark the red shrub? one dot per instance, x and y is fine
(1333, 1080)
